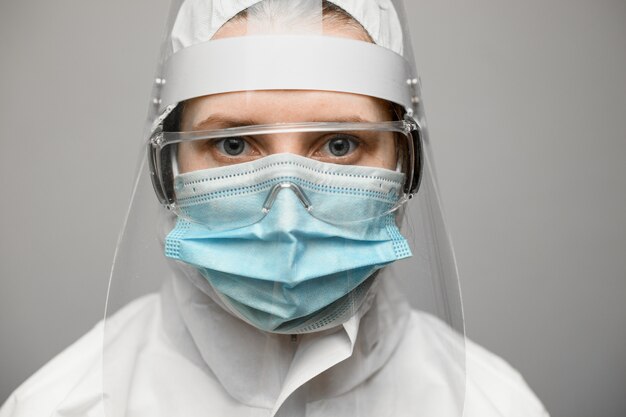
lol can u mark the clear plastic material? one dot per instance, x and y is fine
(278, 309)
(192, 167)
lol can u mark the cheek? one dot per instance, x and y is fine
(389, 153)
(182, 159)
(187, 158)
(392, 161)
(393, 155)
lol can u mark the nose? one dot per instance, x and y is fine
(297, 143)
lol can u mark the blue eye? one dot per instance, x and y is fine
(233, 146)
(341, 146)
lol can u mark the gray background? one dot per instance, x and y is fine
(527, 109)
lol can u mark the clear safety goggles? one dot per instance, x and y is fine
(200, 175)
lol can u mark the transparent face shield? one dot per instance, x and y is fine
(296, 241)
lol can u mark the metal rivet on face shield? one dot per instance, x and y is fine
(159, 81)
(156, 101)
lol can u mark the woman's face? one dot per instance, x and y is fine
(285, 106)
(220, 111)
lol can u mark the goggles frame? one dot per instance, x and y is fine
(162, 177)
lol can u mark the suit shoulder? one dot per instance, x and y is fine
(493, 387)
(76, 370)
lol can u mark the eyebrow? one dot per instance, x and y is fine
(223, 121)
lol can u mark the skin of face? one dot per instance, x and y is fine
(236, 109)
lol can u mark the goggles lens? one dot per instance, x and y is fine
(337, 172)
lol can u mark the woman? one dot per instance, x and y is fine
(286, 140)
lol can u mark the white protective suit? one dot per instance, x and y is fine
(231, 369)
(183, 352)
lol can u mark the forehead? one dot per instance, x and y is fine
(282, 106)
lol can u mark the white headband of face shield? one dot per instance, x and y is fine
(299, 61)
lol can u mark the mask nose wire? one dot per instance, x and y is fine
(269, 201)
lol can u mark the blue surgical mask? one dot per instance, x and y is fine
(288, 271)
